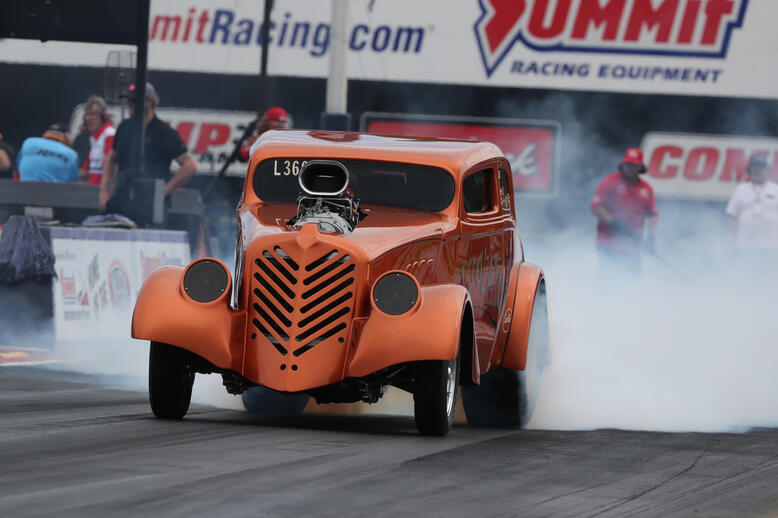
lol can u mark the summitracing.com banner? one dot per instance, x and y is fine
(696, 47)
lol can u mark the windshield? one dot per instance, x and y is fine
(375, 183)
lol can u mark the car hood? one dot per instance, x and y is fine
(383, 230)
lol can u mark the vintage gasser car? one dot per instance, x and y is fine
(362, 261)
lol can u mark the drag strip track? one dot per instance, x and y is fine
(69, 447)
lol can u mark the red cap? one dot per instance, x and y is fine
(634, 156)
(277, 114)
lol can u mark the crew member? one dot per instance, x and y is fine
(622, 202)
(273, 119)
(98, 124)
(753, 209)
(162, 145)
(49, 158)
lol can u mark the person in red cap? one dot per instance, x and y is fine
(622, 202)
(273, 119)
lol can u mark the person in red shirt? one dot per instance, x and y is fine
(273, 119)
(622, 202)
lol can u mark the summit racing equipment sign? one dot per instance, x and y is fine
(695, 47)
(703, 167)
(684, 28)
(531, 146)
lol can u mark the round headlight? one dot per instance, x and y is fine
(395, 293)
(205, 280)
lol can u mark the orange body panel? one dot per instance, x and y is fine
(302, 316)
(529, 278)
(163, 313)
(428, 332)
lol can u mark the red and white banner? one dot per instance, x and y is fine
(702, 167)
(531, 146)
(210, 135)
(695, 47)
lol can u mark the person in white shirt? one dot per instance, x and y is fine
(753, 209)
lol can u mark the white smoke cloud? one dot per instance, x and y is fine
(663, 354)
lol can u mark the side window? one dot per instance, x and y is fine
(505, 190)
(477, 191)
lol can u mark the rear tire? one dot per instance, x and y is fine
(170, 381)
(435, 395)
(506, 398)
(268, 402)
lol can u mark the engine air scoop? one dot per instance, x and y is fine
(323, 178)
(326, 199)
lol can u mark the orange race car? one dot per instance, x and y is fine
(362, 261)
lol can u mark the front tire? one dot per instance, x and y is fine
(170, 381)
(506, 398)
(435, 395)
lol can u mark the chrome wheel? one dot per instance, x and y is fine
(451, 386)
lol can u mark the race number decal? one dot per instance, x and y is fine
(291, 167)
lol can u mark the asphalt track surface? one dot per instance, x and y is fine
(72, 448)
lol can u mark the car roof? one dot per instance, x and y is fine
(455, 155)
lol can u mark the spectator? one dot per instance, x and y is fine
(49, 158)
(753, 209)
(162, 145)
(81, 146)
(98, 124)
(273, 119)
(7, 159)
(622, 201)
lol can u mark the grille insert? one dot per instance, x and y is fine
(278, 266)
(329, 307)
(272, 307)
(273, 292)
(321, 260)
(337, 289)
(321, 325)
(288, 260)
(273, 340)
(289, 293)
(271, 322)
(319, 339)
(338, 275)
(298, 303)
(324, 271)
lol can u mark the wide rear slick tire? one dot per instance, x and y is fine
(435, 395)
(506, 398)
(170, 381)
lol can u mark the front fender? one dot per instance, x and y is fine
(529, 279)
(163, 313)
(429, 332)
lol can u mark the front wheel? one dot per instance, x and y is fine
(170, 381)
(435, 395)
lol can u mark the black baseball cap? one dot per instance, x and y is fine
(131, 90)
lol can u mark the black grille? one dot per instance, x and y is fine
(307, 305)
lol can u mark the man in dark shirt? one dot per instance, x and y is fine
(162, 146)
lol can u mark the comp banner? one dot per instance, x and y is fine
(99, 275)
(702, 167)
(531, 146)
(696, 47)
